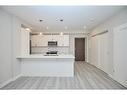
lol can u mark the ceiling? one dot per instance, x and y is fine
(74, 17)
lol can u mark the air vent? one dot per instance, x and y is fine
(40, 20)
(61, 20)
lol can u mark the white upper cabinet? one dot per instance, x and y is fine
(60, 40)
(63, 40)
(66, 40)
(48, 38)
(42, 40)
(34, 40)
(39, 40)
(55, 37)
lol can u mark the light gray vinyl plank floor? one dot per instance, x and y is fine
(86, 77)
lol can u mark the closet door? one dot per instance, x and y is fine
(94, 51)
(99, 52)
(103, 53)
(120, 54)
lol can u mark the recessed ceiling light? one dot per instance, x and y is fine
(28, 29)
(40, 33)
(61, 33)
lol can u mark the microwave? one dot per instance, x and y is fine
(52, 43)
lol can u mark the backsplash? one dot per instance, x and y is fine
(43, 50)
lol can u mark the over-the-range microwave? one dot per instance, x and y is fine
(52, 43)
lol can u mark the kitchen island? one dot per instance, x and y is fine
(47, 65)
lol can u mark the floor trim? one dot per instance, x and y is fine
(10, 80)
(111, 76)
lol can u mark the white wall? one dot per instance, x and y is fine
(109, 24)
(16, 26)
(5, 47)
(9, 46)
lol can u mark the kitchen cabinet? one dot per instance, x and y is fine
(66, 40)
(48, 38)
(63, 40)
(51, 37)
(35, 40)
(42, 40)
(60, 40)
(55, 37)
(39, 40)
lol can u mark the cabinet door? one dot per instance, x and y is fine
(48, 38)
(65, 40)
(60, 40)
(34, 40)
(39, 40)
(45, 40)
(42, 40)
(55, 37)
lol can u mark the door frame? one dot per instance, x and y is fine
(86, 46)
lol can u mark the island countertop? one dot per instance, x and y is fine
(46, 56)
(47, 65)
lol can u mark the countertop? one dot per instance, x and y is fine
(47, 56)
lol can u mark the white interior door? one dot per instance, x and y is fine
(120, 54)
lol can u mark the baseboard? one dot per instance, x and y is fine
(111, 76)
(8, 81)
(123, 84)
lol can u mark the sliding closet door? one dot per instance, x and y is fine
(103, 52)
(120, 54)
(99, 51)
(94, 51)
